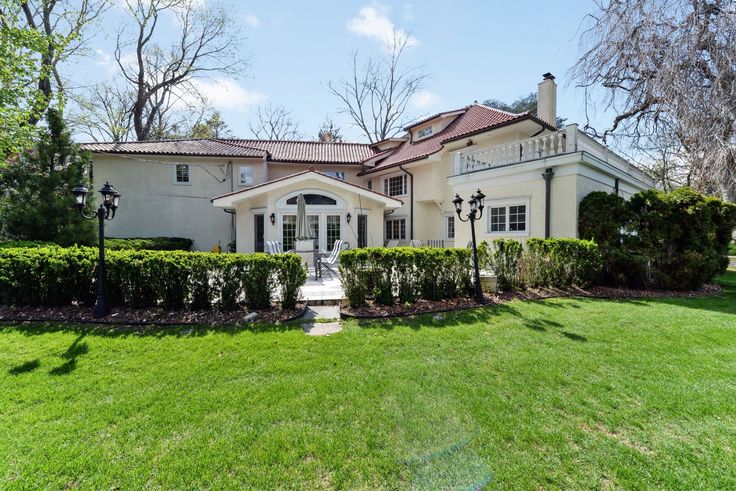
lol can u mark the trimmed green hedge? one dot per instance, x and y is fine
(558, 263)
(113, 244)
(404, 274)
(676, 240)
(732, 249)
(149, 244)
(137, 279)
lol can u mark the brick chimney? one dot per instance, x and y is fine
(547, 99)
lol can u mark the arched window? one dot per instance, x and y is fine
(313, 199)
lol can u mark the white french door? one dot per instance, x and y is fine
(327, 226)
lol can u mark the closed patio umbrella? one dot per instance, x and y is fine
(303, 229)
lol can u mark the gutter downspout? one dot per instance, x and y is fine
(411, 202)
(548, 174)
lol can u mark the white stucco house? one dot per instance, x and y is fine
(223, 191)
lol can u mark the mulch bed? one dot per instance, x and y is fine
(150, 316)
(375, 311)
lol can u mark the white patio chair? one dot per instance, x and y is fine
(435, 243)
(331, 261)
(415, 243)
(392, 243)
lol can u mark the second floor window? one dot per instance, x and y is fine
(336, 174)
(424, 132)
(182, 173)
(395, 186)
(246, 175)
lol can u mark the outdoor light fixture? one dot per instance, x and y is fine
(348, 217)
(476, 203)
(272, 217)
(106, 211)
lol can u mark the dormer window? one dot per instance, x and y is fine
(424, 132)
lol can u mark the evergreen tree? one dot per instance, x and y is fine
(36, 202)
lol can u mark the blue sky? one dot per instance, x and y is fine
(472, 50)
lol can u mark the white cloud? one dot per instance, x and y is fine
(102, 57)
(252, 21)
(226, 94)
(425, 99)
(373, 22)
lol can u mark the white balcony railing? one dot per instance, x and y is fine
(568, 140)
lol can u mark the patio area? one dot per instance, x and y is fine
(326, 289)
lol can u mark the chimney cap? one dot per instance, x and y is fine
(548, 76)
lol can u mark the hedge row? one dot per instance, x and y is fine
(150, 244)
(170, 279)
(113, 244)
(556, 263)
(404, 274)
(676, 240)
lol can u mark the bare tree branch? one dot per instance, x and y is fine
(668, 69)
(378, 92)
(274, 123)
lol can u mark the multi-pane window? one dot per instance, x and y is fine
(288, 231)
(246, 175)
(395, 186)
(507, 218)
(396, 229)
(333, 230)
(182, 173)
(424, 132)
(337, 174)
(313, 223)
(517, 218)
(450, 226)
(370, 183)
(498, 219)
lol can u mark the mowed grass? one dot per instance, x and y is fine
(568, 393)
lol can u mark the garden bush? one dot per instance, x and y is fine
(732, 249)
(558, 263)
(404, 273)
(149, 244)
(676, 240)
(169, 279)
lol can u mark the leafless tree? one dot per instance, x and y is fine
(207, 40)
(274, 123)
(104, 113)
(668, 64)
(378, 92)
(64, 23)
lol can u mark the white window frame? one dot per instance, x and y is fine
(386, 186)
(506, 203)
(394, 219)
(240, 175)
(425, 132)
(337, 174)
(188, 182)
(446, 226)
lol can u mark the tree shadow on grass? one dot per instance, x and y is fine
(75, 350)
(26, 367)
(147, 330)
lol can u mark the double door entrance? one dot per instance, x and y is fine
(326, 228)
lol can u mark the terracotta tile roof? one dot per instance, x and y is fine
(475, 119)
(279, 151)
(309, 151)
(193, 147)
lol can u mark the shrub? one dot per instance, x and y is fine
(14, 244)
(408, 273)
(676, 240)
(137, 279)
(732, 249)
(149, 244)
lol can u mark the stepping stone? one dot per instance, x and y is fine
(321, 328)
(322, 312)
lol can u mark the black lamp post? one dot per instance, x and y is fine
(106, 211)
(476, 212)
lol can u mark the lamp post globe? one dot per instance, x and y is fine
(106, 211)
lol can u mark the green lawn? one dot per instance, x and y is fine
(569, 393)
